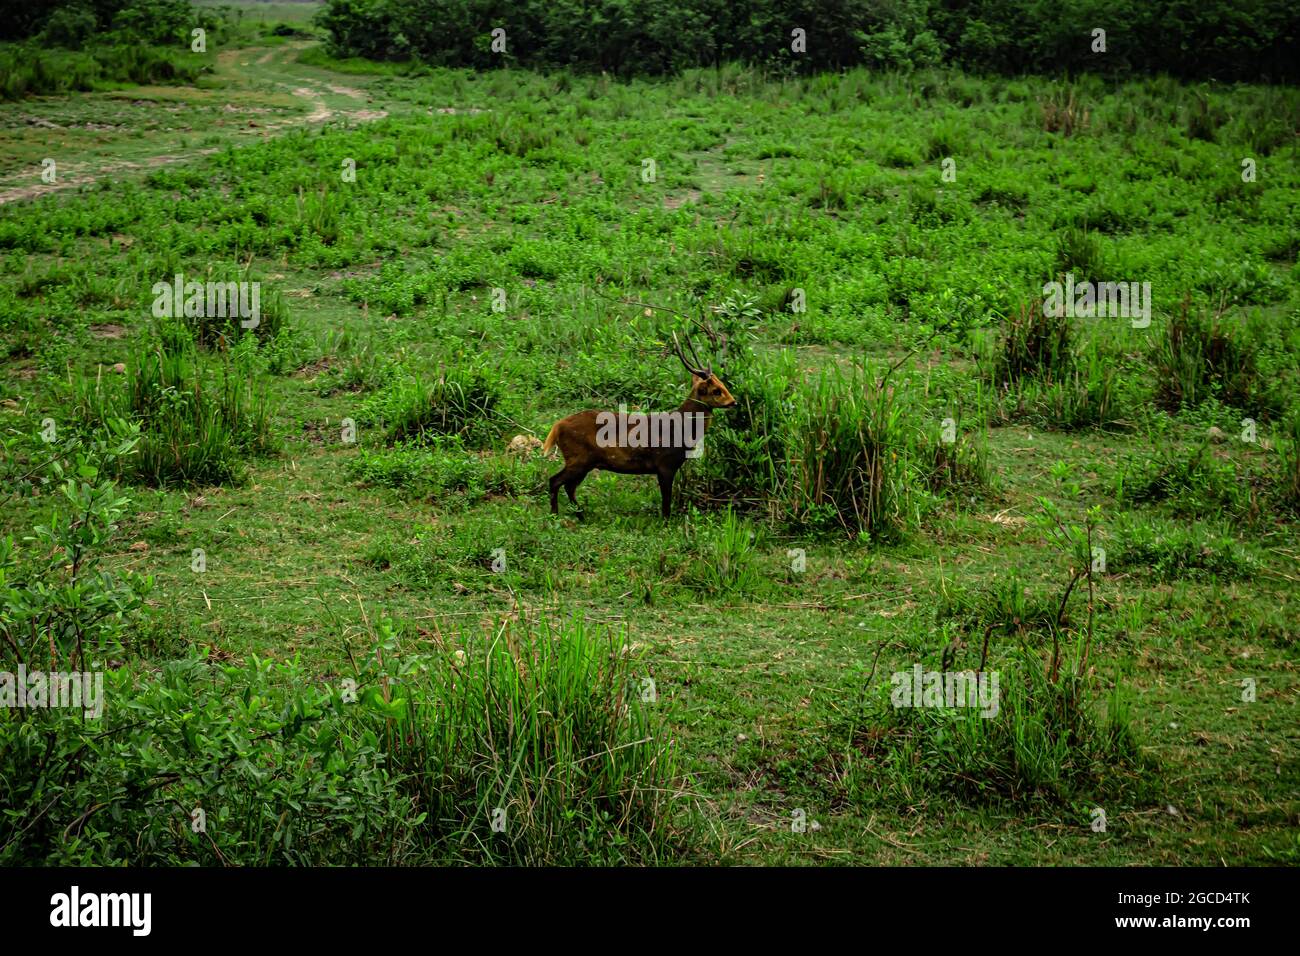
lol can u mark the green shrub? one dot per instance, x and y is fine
(59, 607)
(540, 746)
(27, 70)
(745, 453)
(283, 773)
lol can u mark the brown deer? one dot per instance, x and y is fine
(637, 443)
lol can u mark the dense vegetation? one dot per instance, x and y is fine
(87, 44)
(337, 623)
(1222, 39)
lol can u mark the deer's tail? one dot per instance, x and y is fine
(550, 439)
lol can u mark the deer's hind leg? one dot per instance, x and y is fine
(571, 487)
(570, 478)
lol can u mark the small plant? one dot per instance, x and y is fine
(1177, 552)
(1080, 253)
(443, 466)
(1063, 112)
(725, 562)
(61, 608)
(1191, 482)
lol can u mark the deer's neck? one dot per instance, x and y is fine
(692, 407)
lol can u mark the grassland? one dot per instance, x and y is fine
(772, 682)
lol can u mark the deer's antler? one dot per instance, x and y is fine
(695, 369)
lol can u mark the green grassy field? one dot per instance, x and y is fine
(771, 678)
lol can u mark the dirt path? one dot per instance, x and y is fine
(274, 69)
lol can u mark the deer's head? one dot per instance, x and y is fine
(706, 388)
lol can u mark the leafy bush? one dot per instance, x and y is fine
(280, 770)
(58, 606)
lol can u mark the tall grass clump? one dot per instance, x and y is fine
(197, 425)
(850, 456)
(1288, 465)
(1084, 397)
(960, 465)
(1063, 111)
(1050, 741)
(1044, 379)
(536, 744)
(1079, 253)
(1034, 345)
(464, 400)
(1200, 357)
(222, 311)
